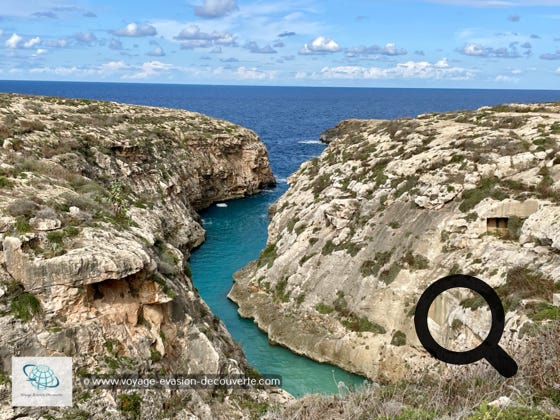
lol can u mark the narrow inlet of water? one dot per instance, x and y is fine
(234, 236)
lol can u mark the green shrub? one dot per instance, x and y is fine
(323, 309)
(131, 404)
(472, 216)
(328, 248)
(370, 268)
(25, 306)
(5, 182)
(56, 237)
(22, 208)
(398, 339)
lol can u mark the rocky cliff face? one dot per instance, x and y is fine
(97, 218)
(390, 207)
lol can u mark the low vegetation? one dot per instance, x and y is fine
(462, 393)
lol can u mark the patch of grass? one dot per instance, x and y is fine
(362, 324)
(416, 261)
(155, 355)
(545, 311)
(522, 283)
(472, 216)
(280, 293)
(22, 226)
(487, 187)
(328, 248)
(324, 309)
(394, 225)
(473, 303)
(514, 227)
(389, 275)
(267, 257)
(320, 184)
(485, 412)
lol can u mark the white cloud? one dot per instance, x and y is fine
(59, 43)
(254, 74)
(41, 51)
(215, 8)
(558, 71)
(135, 30)
(32, 42)
(389, 49)
(149, 69)
(85, 37)
(14, 41)
(156, 52)
(113, 66)
(320, 45)
(253, 47)
(476, 50)
(193, 37)
(115, 44)
(408, 70)
(506, 79)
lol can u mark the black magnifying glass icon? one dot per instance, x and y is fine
(489, 349)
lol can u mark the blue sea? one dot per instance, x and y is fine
(289, 120)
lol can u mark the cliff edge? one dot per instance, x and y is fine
(391, 206)
(97, 220)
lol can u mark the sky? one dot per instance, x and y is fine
(501, 44)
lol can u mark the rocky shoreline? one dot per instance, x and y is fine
(97, 221)
(391, 206)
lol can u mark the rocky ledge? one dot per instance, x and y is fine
(97, 220)
(391, 206)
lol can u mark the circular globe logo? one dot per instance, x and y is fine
(41, 376)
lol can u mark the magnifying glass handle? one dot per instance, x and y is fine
(501, 361)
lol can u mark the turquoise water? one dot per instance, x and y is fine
(235, 235)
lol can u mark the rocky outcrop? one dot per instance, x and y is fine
(97, 220)
(390, 207)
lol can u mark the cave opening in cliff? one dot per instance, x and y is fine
(497, 224)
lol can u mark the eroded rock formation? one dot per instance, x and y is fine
(390, 207)
(97, 220)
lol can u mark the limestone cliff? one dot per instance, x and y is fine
(97, 219)
(391, 206)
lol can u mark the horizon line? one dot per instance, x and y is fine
(268, 86)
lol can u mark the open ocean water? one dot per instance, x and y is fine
(289, 120)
